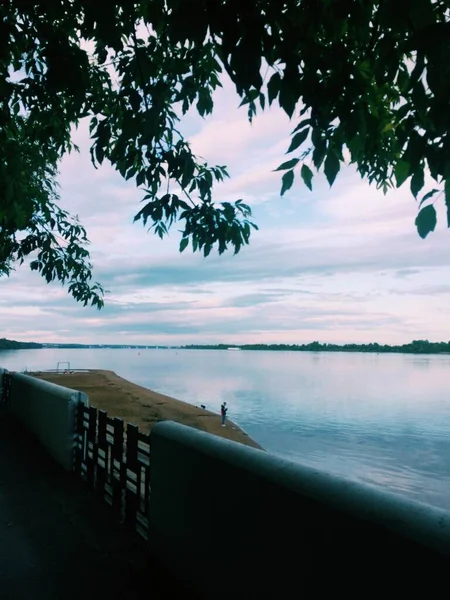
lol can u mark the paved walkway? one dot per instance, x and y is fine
(60, 542)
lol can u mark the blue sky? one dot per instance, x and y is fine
(339, 265)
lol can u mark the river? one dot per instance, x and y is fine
(383, 419)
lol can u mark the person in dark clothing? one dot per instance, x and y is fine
(223, 413)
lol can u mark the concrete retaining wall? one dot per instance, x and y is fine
(240, 523)
(48, 411)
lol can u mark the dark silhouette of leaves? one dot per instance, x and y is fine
(370, 79)
(307, 176)
(426, 221)
(331, 167)
(288, 180)
(289, 164)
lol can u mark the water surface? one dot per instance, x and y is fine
(379, 418)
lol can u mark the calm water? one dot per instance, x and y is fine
(381, 419)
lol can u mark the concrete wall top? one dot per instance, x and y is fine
(48, 411)
(272, 525)
(48, 387)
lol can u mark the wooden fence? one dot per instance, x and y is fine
(5, 388)
(115, 463)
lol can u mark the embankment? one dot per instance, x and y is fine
(141, 406)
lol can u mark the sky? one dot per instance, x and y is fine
(334, 265)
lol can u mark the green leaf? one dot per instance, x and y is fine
(298, 140)
(301, 125)
(331, 167)
(250, 96)
(273, 87)
(417, 181)
(140, 179)
(287, 98)
(288, 180)
(289, 164)
(401, 171)
(262, 101)
(426, 221)
(320, 148)
(183, 244)
(99, 153)
(307, 176)
(428, 196)
(447, 199)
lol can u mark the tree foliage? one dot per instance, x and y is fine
(367, 82)
(13, 345)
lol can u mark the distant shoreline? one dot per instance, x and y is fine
(414, 347)
(384, 350)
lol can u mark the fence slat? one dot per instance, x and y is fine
(6, 387)
(115, 463)
(131, 499)
(102, 470)
(91, 450)
(118, 440)
(102, 422)
(80, 439)
(117, 471)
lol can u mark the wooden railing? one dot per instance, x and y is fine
(5, 388)
(114, 460)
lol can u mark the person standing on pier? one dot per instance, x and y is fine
(223, 413)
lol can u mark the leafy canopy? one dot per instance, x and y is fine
(367, 82)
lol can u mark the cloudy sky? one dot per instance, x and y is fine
(339, 265)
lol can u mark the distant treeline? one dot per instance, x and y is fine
(101, 346)
(13, 345)
(415, 347)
